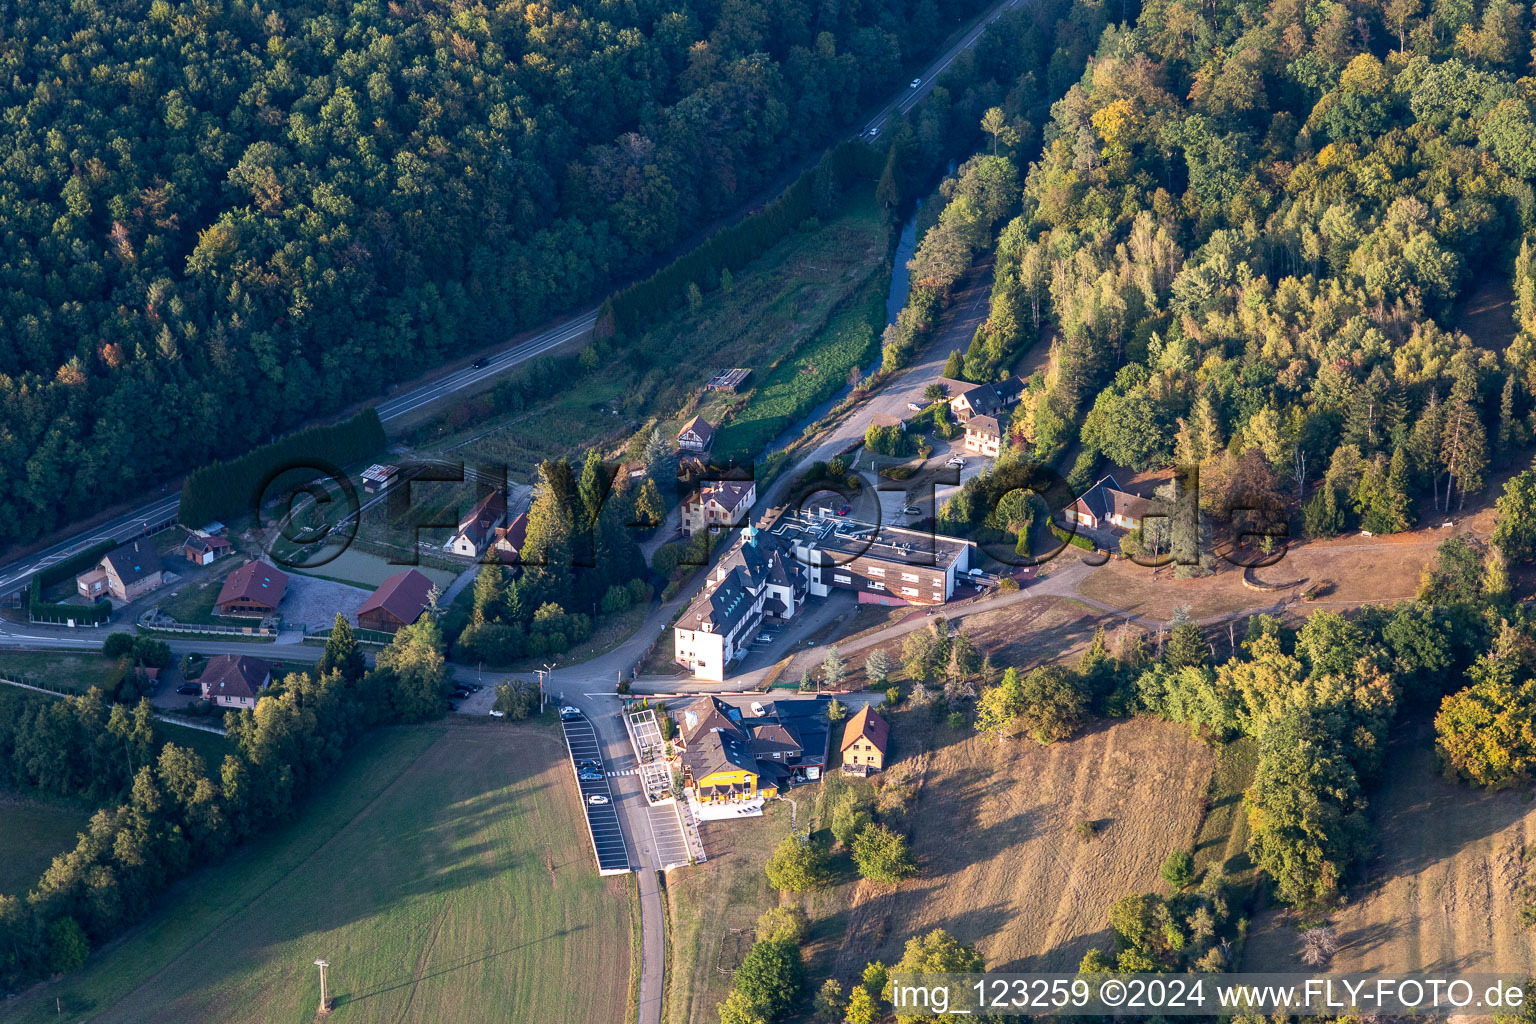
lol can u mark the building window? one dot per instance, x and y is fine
(909, 591)
(840, 578)
(909, 577)
(873, 585)
(876, 572)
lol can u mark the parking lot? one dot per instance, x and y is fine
(602, 818)
(671, 847)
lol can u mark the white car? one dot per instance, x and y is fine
(914, 407)
(956, 461)
(498, 714)
(597, 798)
(874, 133)
(916, 82)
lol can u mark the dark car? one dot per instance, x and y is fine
(459, 694)
(189, 688)
(589, 762)
(480, 364)
(471, 687)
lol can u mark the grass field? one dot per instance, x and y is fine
(33, 830)
(1442, 892)
(780, 303)
(712, 910)
(445, 875)
(992, 827)
(61, 670)
(192, 602)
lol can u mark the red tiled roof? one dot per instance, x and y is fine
(254, 581)
(866, 725)
(403, 596)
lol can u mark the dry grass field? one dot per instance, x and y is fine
(444, 873)
(1442, 892)
(993, 830)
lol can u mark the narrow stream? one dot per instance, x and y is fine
(895, 298)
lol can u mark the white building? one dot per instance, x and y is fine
(757, 580)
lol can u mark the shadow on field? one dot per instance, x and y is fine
(343, 998)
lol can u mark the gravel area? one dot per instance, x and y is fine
(315, 602)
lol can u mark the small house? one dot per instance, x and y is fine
(696, 435)
(201, 549)
(718, 503)
(477, 531)
(252, 591)
(865, 740)
(377, 477)
(127, 572)
(1105, 504)
(234, 680)
(510, 540)
(967, 399)
(983, 435)
(399, 601)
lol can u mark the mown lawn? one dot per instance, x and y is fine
(445, 875)
(33, 830)
(61, 670)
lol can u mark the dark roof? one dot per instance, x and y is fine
(133, 561)
(719, 750)
(866, 725)
(234, 675)
(198, 542)
(254, 581)
(700, 426)
(992, 396)
(514, 534)
(729, 493)
(403, 596)
(985, 425)
(705, 714)
(481, 522)
(1105, 498)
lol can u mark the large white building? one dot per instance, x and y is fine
(757, 580)
(770, 574)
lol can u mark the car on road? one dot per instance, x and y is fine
(471, 687)
(916, 82)
(845, 510)
(480, 364)
(956, 461)
(498, 714)
(189, 689)
(911, 510)
(569, 714)
(874, 133)
(597, 798)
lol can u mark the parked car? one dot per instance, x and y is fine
(459, 694)
(911, 510)
(956, 461)
(765, 638)
(588, 762)
(590, 775)
(597, 798)
(914, 407)
(569, 714)
(189, 689)
(471, 687)
(498, 714)
(845, 510)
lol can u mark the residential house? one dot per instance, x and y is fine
(1105, 504)
(728, 756)
(865, 740)
(399, 601)
(756, 580)
(696, 435)
(983, 435)
(967, 399)
(252, 591)
(510, 540)
(718, 503)
(234, 680)
(477, 531)
(205, 549)
(127, 572)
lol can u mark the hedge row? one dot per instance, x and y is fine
(225, 489)
(48, 611)
(632, 309)
(1077, 540)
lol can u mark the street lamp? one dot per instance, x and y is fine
(325, 1001)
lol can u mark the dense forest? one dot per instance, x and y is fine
(1244, 240)
(223, 217)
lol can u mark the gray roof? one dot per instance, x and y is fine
(1105, 499)
(133, 561)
